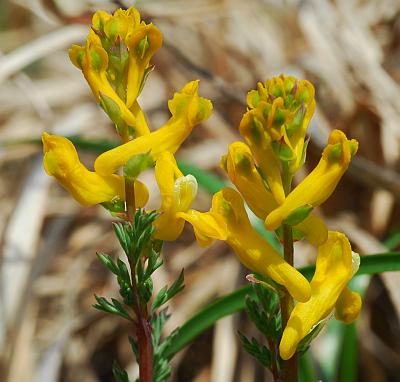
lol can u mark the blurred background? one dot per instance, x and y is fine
(349, 50)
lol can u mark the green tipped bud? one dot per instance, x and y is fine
(243, 163)
(256, 130)
(279, 118)
(297, 121)
(282, 151)
(336, 152)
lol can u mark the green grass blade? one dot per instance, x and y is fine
(204, 319)
(348, 356)
(235, 301)
(306, 369)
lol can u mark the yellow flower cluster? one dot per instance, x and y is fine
(274, 128)
(115, 62)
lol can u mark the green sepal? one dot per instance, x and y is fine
(114, 206)
(112, 109)
(298, 215)
(137, 164)
(146, 74)
(306, 341)
(303, 154)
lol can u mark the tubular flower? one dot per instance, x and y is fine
(117, 45)
(334, 270)
(61, 161)
(242, 171)
(252, 250)
(177, 194)
(321, 182)
(187, 109)
(252, 129)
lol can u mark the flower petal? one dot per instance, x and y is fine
(252, 250)
(61, 161)
(251, 128)
(333, 272)
(142, 43)
(207, 226)
(321, 182)
(241, 169)
(314, 229)
(187, 108)
(168, 225)
(348, 306)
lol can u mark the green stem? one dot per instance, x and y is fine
(130, 198)
(290, 370)
(143, 325)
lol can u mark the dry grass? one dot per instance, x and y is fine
(349, 49)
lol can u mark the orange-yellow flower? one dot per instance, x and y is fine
(252, 250)
(321, 182)
(87, 187)
(334, 269)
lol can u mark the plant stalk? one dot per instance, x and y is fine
(290, 369)
(143, 325)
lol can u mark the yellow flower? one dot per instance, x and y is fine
(177, 194)
(187, 109)
(251, 128)
(61, 161)
(240, 167)
(252, 250)
(334, 269)
(321, 182)
(115, 63)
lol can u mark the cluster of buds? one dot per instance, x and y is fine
(115, 62)
(275, 127)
